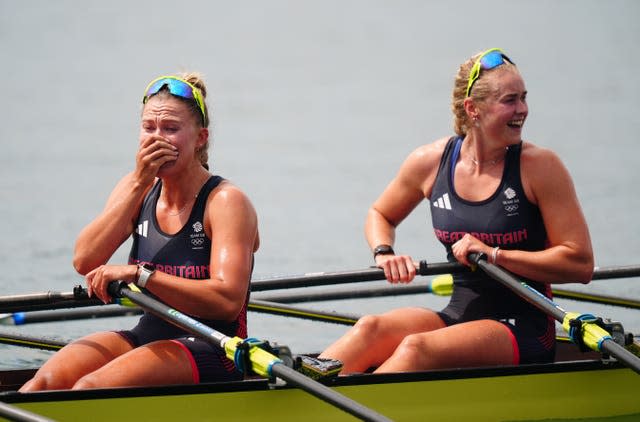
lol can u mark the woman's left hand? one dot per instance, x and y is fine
(98, 279)
(468, 244)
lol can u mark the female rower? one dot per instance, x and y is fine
(194, 236)
(489, 193)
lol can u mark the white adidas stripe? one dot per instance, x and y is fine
(143, 228)
(443, 202)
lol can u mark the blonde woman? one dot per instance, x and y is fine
(194, 236)
(490, 192)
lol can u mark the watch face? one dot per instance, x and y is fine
(148, 267)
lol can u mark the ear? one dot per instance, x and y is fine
(203, 136)
(471, 108)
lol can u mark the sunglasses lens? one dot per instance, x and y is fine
(492, 59)
(176, 87)
(489, 60)
(179, 88)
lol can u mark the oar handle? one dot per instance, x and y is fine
(425, 268)
(355, 276)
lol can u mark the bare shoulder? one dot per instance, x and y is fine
(543, 172)
(126, 185)
(535, 159)
(536, 152)
(425, 157)
(430, 151)
(226, 194)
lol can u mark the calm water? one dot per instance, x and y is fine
(315, 106)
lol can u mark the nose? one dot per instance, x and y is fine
(522, 107)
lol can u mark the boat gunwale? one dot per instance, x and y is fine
(260, 384)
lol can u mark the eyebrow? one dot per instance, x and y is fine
(513, 94)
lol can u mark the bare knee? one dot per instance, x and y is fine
(87, 381)
(46, 380)
(368, 325)
(412, 348)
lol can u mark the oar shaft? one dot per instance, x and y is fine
(21, 318)
(44, 343)
(217, 338)
(525, 291)
(294, 311)
(369, 274)
(78, 293)
(620, 353)
(596, 298)
(78, 297)
(14, 413)
(600, 273)
(34, 298)
(424, 268)
(336, 294)
(163, 311)
(545, 304)
(342, 402)
(422, 288)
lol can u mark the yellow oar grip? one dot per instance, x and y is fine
(124, 301)
(442, 285)
(261, 360)
(592, 334)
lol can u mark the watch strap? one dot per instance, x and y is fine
(383, 250)
(144, 272)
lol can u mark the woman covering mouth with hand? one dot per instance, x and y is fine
(194, 236)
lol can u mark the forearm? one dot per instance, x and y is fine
(558, 264)
(97, 242)
(378, 230)
(210, 298)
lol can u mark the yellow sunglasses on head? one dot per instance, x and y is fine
(488, 60)
(178, 87)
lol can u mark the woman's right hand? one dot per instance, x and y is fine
(154, 152)
(98, 279)
(397, 268)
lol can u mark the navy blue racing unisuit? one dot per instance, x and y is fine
(506, 219)
(185, 254)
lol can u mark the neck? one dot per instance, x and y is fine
(486, 163)
(479, 156)
(179, 193)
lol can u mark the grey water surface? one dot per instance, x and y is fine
(315, 105)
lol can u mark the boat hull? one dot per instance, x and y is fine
(583, 389)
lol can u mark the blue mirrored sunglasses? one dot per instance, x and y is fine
(488, 60)
(178, 87)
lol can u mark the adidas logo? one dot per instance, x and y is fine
(143, 228)
(443, 202)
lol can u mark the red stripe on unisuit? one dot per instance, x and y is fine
(192, 361)
(516, 349)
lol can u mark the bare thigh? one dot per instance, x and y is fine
(399, 323)
(77, 359)
(375, 337)
(475, 343)
(158, 363)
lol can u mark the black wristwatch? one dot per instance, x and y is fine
(383, 250)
